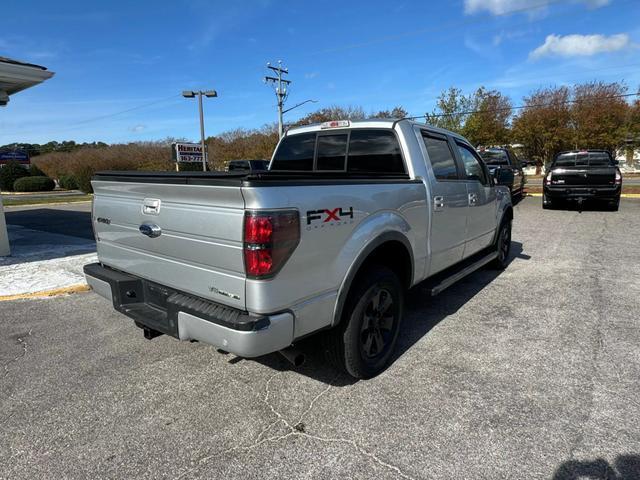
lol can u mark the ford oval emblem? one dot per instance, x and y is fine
(150, 230)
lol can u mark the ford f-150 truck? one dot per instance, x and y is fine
(347, 218)
(582, 175)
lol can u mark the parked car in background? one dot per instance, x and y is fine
(247, 165)
(505, 159)
(580, 175)
(348, 217)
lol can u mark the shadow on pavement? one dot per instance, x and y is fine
(50, 220)
(38, 234)
(422, 313)
(625, 467)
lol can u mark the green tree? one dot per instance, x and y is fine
(450, 110)
(488, 124)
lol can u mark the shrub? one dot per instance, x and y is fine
(34, 184)
(34, 171)
(68, 182)
(11, 172)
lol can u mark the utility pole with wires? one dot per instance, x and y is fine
(280, 89)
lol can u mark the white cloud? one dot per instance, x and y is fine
(310, 75)
(580, 45)
(502, 7)
(138, 128)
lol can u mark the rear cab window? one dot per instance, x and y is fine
(359, 150)
(495, 157)
(583, 159)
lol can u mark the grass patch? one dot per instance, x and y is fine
(44, 201)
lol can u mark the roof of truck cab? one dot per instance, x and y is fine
(371, 123)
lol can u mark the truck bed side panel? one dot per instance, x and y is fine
(328, 246)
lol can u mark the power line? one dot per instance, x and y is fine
(114, 114)
(518, 107)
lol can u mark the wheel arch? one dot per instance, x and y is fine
(391, 249)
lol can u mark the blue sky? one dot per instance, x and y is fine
(114, 56)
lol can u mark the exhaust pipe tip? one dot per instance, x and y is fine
(294, 356)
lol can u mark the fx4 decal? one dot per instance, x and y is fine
(328, 216)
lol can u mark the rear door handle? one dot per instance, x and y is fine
(473, 199)
(438, 203)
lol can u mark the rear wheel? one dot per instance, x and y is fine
(614, 205)
(503, 245)
(547, 203)
(364, 341)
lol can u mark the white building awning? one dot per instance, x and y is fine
(16, 76)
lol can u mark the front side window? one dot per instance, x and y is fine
(441, 157)
(472, 165)
(295, 152)
(332, 152)
(374, 151)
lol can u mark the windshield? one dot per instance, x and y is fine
(494, 157)
(583, 159)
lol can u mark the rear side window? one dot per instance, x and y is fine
(374, 151)
(332, 152)
(295, 152)
(441, 157)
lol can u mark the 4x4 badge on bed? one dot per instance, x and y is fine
(334, 216)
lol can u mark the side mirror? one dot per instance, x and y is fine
(503, 176)
(616, 162)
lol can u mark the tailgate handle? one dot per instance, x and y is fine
(151, 206)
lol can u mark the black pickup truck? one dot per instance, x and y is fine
(505, 159)
(582, 175)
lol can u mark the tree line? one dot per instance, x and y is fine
(589, 115)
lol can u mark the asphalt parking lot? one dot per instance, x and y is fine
(530, 373)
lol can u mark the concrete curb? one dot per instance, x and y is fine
(82, 287)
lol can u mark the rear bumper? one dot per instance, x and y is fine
(186, 317)
(563, 192)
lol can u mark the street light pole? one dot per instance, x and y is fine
(202, 145)
(200, 93)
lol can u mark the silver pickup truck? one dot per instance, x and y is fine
(347, 218)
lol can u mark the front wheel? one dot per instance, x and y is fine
(364, 341)
(503, 246)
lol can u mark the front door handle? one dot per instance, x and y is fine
(473, 199)
(438, 203)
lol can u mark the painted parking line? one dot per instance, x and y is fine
(82, 287)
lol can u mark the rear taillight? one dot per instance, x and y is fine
(618, 180)
(547, 178)
(270, 237)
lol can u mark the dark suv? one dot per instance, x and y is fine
(505, 159)
(581, 175)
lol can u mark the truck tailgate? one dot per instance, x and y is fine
(199, 246)
(584, 177)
